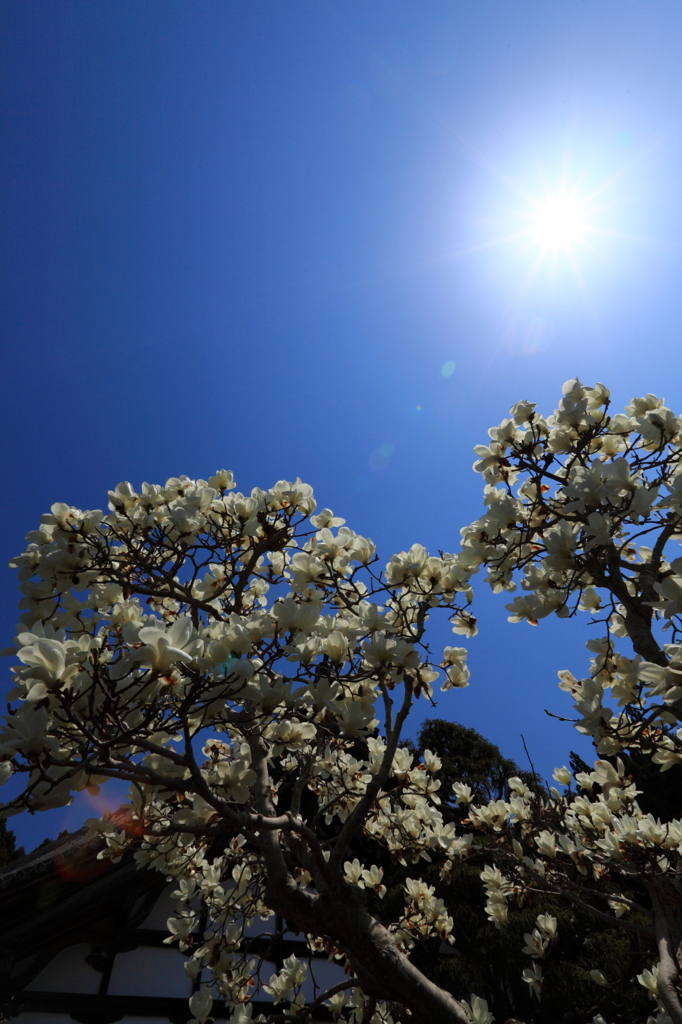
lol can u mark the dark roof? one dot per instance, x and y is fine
(41, 861)
(64, 893)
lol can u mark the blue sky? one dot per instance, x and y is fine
(252, 235)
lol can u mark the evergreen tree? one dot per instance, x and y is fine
(9, 850)
(468, 757)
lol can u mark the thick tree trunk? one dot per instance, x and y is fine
(666, 901)
(382, 970)
(339, 914)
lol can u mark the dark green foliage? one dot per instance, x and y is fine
(490, 961)
(468, 757)
(8, 845)
(660, 792)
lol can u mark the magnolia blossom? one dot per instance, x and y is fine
(194, 616)
(533, 978)
(248, 666)
(478, 1011)
(569, 498)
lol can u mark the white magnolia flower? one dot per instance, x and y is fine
(372, 879)
(463, 793)
(533, 977)
(164, 648)
(478, 1011)
(353, 871)
(200, 1005)
(326, 519)
(547, 924)
(649, 979)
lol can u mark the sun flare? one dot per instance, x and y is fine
(559, 222)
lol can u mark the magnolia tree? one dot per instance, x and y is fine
(230, 657)
(585, 512)
(246, 667)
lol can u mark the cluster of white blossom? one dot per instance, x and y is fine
(244, 664)
(570, 500)
(562, 844)
(584, 512)
(561, 490)
(231, 657)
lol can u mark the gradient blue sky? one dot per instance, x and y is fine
(252, 234)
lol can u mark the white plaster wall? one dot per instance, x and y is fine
(68, 972)
(63, 1018)
(49, 1018)
(151, 971)
(147, 971)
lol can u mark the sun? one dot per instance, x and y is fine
(553, 225)
(559, 223)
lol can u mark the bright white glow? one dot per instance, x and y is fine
(556, 225)
(559, 222)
